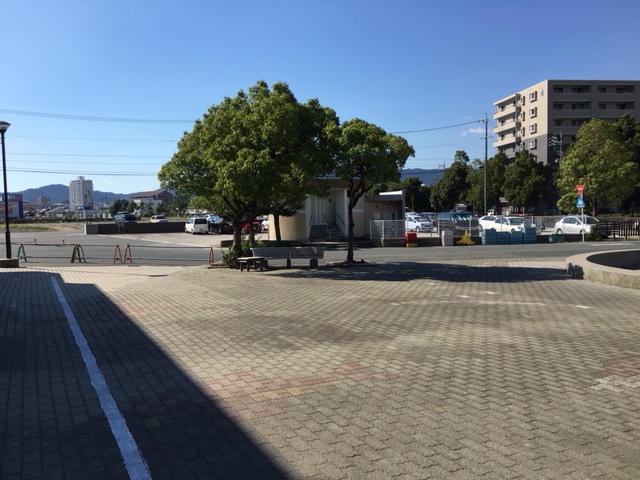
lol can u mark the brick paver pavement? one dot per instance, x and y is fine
(466, 369)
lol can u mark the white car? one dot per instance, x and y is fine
(265, 224)
(501, 224)
(196, 225)
(573, 224)
(415, 223)
(159, 219)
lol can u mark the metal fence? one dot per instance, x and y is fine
(387, 229)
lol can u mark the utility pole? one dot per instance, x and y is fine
(486, 138)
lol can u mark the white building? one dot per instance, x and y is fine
(80, 193)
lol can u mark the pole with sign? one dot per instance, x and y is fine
(580, 205)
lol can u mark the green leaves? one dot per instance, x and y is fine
(601, 161)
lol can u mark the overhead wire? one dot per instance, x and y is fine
(147, 121)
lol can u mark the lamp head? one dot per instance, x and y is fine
(4, 126)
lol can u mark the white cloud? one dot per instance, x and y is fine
(473, 130)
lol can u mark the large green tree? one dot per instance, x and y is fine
(630, 133)
(367, 155)
(525, 180)
(600, 160)
(253, 152)
(451, 187)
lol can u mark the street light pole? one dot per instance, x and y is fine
(7, 234)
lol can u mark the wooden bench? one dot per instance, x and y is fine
(255, 262)
(313, 254)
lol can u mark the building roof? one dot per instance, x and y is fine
(152, 193)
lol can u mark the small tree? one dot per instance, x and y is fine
(451, 187)
(119, 205)
(366, 155)
(524, 180)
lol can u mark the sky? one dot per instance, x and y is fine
(105, 90)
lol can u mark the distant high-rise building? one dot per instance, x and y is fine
(80, 193)
(544, 118)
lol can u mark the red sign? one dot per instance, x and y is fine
(579, 188)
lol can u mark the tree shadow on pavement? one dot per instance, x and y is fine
(446, 272)
(51, 421)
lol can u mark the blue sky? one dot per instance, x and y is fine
(106, 89)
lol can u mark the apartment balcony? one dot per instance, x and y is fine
(508, 140)
(505, 111)
(506, 127)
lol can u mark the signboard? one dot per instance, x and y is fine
(580, 202)
(579, 188)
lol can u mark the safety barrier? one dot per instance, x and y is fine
(77, 253)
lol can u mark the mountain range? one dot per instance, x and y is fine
(59, 193)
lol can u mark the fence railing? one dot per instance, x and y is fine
(387, 229)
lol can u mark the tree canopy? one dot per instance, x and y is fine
(600, 160)
(253, 152)
(524, 180)
(451, 187)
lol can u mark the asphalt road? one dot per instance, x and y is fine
(179, 249)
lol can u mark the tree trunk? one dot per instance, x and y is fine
(276, 225)
(237, 237)
(350, 226)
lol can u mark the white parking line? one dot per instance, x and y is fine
(133, 461)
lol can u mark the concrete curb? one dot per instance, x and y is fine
(617, 268)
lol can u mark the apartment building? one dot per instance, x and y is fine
(544, 118)
(80, 193)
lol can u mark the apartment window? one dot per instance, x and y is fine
(533, 112)
(580, 90)
(533, 96)
(558, 90)
(533, 127)
(533, 144)
(602, 89)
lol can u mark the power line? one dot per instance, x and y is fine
(87, 155)
(435, 128)
(90, 119)
(95, 139)
(76, 172)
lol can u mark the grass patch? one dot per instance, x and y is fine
(31, 228)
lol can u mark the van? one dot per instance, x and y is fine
(196, 225)
(122, 217)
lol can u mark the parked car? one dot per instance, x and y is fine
(501, 224)
(122, 217)
(196, 225)
(159, 219)
(415, 223)
(218, 224)
(256, 226)
(265, 224)
(573, 224)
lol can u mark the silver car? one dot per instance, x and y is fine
(573, 224)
